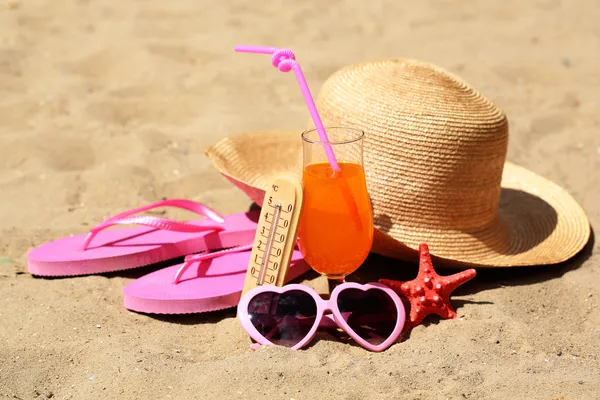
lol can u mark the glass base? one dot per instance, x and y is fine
(335, 277)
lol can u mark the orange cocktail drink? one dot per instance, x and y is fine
(336, 225)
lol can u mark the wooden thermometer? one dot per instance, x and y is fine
(276, 233)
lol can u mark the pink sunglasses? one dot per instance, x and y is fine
(372, 314)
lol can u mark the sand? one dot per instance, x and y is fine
(108, 105)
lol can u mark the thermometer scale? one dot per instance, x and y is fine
(275, 234)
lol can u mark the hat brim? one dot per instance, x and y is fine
(538, 222)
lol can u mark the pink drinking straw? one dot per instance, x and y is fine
(285, 61)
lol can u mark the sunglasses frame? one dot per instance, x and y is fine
(322, 307)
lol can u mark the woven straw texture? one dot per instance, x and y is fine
(434, 154)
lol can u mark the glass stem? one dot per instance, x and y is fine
(333, 283)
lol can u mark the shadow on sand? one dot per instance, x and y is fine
(377, 267)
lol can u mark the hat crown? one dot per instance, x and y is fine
(434, 148)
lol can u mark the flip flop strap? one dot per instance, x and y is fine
(125, 218)
(194, 258)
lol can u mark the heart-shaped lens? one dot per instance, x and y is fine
(371, 314)
(283, 318)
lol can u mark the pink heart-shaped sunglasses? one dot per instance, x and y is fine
(372, 314)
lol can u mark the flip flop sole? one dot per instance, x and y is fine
(206, 286)
(128, 248)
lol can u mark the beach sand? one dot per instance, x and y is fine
(108, 105)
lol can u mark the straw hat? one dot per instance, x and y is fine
(435, 161)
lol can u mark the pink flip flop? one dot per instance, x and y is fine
(159, 239)
(204, 282)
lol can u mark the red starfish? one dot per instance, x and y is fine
(429, 293)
